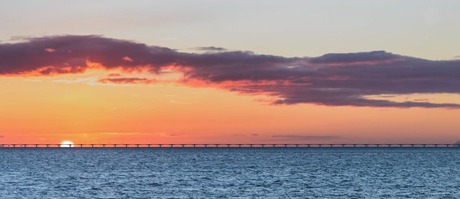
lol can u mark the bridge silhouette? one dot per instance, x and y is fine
(230, 145)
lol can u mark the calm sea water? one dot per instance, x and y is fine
(230, 173)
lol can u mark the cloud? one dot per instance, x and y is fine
(211, 49)
(127, 80)
(333, 79)
(299, 137)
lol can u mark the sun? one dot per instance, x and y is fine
(67, 144)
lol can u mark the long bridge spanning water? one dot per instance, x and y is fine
(230, 145)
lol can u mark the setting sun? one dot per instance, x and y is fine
(67, 144)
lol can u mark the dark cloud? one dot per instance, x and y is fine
(374, 57)
(332, 79)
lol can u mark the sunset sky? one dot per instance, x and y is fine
(206, 71)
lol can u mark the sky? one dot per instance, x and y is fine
(229, 71)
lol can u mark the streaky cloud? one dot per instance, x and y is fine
(211, 49)
(127, 80)
(336, 79)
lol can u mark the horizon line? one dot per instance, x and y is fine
(301, 145)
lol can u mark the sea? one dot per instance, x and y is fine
(229, 173)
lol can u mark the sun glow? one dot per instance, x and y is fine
(67, 144)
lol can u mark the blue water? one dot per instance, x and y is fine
(230, 173)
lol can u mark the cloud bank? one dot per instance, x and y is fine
(332, 79)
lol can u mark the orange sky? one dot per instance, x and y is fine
(76, 107)
(212, 71)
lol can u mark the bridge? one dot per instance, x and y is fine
(230, 145)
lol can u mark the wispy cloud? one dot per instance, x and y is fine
(333, 79)
(127, 80)
(211, 49)
(300, 137)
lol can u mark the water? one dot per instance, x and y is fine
(230, 173)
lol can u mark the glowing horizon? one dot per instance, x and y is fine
(86, 110)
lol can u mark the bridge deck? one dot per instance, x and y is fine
(230, 145)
